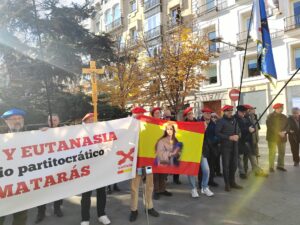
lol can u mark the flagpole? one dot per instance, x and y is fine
(245, 54)
(284, 86)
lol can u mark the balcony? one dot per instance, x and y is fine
(242, 37)
(174, 22)
(292, 22)
(150, 4)
(151, 34)
(132, 42)
(114, 25)
(212, 6)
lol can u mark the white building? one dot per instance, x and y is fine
(228, 19)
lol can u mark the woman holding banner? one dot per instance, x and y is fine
(159, 179)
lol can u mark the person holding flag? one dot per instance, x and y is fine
(135, 184)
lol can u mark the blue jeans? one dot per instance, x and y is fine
(205, 175)
(192, 181)
(205, 172)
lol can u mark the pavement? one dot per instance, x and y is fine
(263, 201)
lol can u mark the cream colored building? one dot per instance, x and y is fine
(129, 20)
(228, 19)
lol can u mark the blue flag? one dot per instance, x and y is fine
(261, 34)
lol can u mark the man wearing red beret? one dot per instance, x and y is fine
(135, 184)
(277, 125)
(228, 132)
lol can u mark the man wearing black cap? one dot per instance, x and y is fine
(245, 144)
(228, 131)
(14, 119)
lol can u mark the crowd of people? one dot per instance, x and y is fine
(230, 142)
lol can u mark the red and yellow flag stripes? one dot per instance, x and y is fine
(190, 140)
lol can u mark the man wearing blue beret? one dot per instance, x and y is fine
(14, 119)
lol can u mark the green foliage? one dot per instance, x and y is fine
(56, 62)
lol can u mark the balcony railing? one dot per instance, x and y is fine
(292, 22)
(242, 37)
(114, 25)
(174, 22)
(132, 42)
(212, 6)
(149, 4)
(155, 32)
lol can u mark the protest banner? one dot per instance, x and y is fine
(179, 154)
(39, 167)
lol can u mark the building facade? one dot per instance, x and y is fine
(225, 20)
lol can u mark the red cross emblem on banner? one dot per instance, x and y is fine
(125, 156)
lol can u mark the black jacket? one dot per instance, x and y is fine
(246, 141)
(210, 143)
(276, 123)
(292, 125)
(225, 128)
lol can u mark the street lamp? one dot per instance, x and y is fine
(220, 40)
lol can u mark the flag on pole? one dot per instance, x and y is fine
(261, 34)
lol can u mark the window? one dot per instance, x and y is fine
(175, 16)
(210, 4)
(297, 58)
(212, 45)
(108, 16)
(133, 6)
(252, 68)
(153, 50)
(133, 34)
(212, 75)
(152, 22)
(97, 27)
(116, 12)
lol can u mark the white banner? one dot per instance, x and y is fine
(39, 167)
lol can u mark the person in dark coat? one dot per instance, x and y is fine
(205, 175)
(255, 136)
(57, 204)
(217, 168)
(86, 197)
(211, 144)
(245, 144)
(14, 119)
(228, 132)
(294, 134)
(277, 127)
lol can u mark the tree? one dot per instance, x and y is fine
(45, 50)
(125, 76)
(176, 67)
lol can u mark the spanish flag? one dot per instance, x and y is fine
(170, 147)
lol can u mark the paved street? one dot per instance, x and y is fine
(264, 201)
